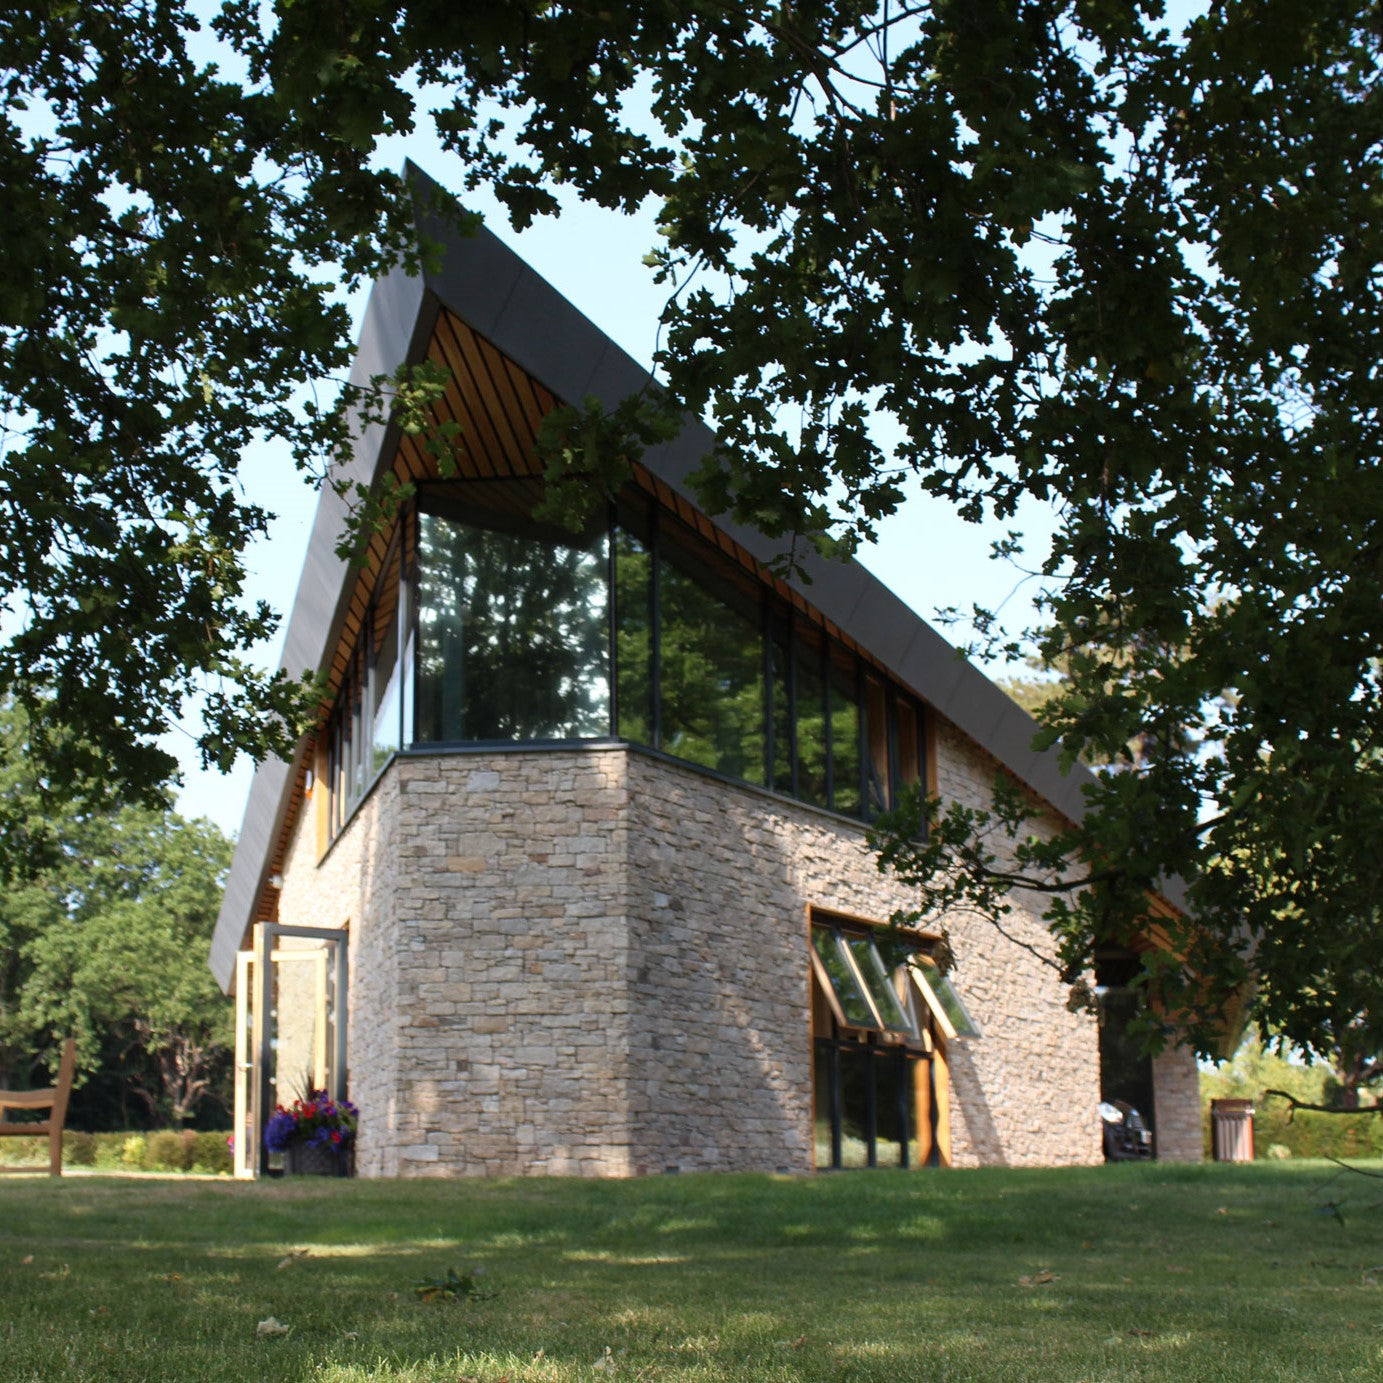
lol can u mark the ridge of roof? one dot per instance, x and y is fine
(506, 301)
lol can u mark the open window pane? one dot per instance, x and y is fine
(942, 997)
(849, 995)
(880, 986)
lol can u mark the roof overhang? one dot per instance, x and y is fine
(504, 301)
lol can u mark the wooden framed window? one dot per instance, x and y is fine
(880, 1033)
(941, 998)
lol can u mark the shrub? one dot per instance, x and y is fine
(79, 1149)
(212, 1154)
(22, 1151)
(169, 1151)
(132, 1150)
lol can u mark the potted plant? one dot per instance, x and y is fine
(315, 1133)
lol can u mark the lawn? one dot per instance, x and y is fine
(1122, 1272)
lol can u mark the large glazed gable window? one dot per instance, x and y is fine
(513, 639)
(710, 666)
(489, 627)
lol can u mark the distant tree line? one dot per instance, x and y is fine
(107, 940)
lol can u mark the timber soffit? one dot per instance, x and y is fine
(489, 287)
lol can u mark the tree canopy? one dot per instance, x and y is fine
(108, 942)
(1057, 249)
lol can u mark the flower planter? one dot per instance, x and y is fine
(316, 1160)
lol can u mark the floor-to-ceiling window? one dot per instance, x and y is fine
(487, 626)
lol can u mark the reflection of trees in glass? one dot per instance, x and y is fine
(845, 735)
(811, 723)
(711, 678)
(634, 637)
(782, 713)
(513, 640)
(512, 635)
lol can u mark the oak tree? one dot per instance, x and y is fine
(1062, 251)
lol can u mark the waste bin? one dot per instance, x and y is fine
(1231, 1130)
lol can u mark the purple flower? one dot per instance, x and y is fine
(282, 1129)
(318, 1122)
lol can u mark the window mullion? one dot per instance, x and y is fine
(655, 641)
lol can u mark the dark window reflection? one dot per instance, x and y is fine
(811, 717)
(781, 692)
(845, 734)
(507, 628)
(634, 636)
(512, 640)
(893, 1108)
(710, 665)
(856, 1100)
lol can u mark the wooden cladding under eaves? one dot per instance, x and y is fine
(498, 408)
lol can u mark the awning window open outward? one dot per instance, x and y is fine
(940, 995)
(864, 993)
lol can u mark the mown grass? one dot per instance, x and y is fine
(1151, 1272)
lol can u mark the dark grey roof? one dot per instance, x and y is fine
(491, 288)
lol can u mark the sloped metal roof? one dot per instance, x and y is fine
(506, 302)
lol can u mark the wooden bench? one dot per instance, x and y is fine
(54, 1100)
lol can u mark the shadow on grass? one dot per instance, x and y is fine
(863, 1276)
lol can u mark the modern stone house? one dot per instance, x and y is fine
(572, 876)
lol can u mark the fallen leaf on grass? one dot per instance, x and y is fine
(1177, 1268)
(172, 1277)
(98, 1311)
(271, 1325)
(27, 1259)
(351, 1335)
(1040, 1279)
(290, 1259)
(1142, 1334)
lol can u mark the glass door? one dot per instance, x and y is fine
(290, 1029)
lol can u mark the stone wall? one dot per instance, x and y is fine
(595, 961)
(512, 956)
(721, 878)
(1026, 1093)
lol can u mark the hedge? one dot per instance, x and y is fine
(1310, 1133)
(164, 1151)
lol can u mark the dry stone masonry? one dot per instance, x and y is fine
(594, 961)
